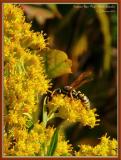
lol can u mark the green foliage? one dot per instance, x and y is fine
(29, 121)
(56, 63)
(53, 143)
(44, 113)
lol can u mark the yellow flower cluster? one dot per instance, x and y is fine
(72, 110)
(24, 75)
(24, 82)
(34, 143)
(16, 29)
(106, 147)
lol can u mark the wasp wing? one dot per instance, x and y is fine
(82, 79)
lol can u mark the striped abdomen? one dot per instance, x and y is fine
(84, 100)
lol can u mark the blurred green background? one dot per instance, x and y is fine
(88, 34)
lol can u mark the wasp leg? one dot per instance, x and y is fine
(58, 90)
(71, 95)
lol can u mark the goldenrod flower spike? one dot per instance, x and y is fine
(24, 81)
(24, 74)
(106, 147)
(72, 110)
(35, 142)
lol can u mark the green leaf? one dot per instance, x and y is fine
(56, 63)
(30, 125)
(53, 144)
(44, 112)
(29, 121)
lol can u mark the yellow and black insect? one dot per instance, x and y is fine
(71, 89)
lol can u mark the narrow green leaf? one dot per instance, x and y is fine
(53, 144)
(44, 112)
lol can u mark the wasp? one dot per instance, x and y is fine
(71, 89)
